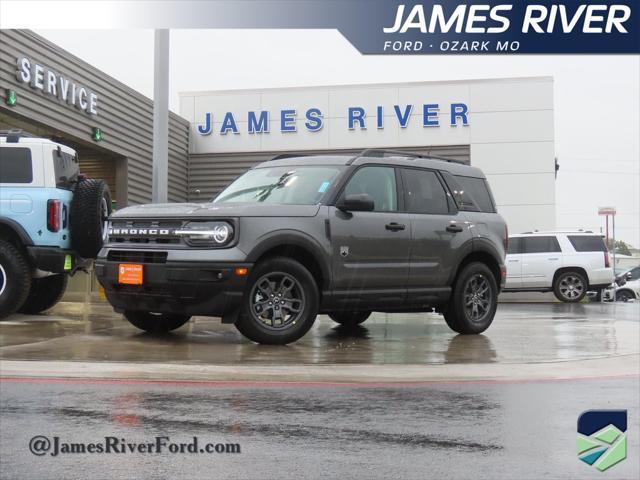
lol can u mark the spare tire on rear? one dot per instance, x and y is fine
(90, 208)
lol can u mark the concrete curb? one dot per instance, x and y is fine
(628, 365)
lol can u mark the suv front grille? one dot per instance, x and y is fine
(137, 257)
(143, 238)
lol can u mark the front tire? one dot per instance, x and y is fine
(474, 300)
(570, 286)
(280, 303)
(155, 322)
(15, 279)
(349, 319)
(624, 296)
(44, 294)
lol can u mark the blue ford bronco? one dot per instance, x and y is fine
(52, 221)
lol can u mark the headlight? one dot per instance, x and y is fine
(206, 234)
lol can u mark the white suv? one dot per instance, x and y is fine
(566, 263)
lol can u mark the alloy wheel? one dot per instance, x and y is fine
(571, 287)
(3, 279)
(277, 300)
(477, 298)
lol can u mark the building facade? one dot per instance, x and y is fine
(46, 91)
(505, 127)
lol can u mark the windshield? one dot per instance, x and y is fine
(292, 185)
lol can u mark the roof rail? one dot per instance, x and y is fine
(557, 231)
(282, 156)
(383, 152)
(14, 135)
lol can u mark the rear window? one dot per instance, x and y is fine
(15, 165)
(66, 169)
(540, 244)
(471, 193)
(587, 243)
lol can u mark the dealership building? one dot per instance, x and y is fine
(503, 126)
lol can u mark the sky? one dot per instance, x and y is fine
(597, 98)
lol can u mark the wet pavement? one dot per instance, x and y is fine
(400, 397)
(520, 334)
(508, 430)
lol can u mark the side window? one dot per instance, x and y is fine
(540, 245)
(379, 183)
(15, 165)
(476, 191)
(635, 273)
(66, 169)
(515, 245)
(587, 243)
(424, 192)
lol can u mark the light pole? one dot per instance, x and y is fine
(160, 175)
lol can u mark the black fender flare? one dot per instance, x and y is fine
(299, 239)
(17, 229)
(485, 245)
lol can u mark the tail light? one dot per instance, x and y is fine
(54, 215)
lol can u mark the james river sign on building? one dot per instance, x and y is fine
(503, 126)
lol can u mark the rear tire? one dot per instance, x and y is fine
(155, 322)
(280, 303)
(90, 208)
(349, 319)
(15, 279)
(44, 294)
(570, 286)
(474, 300)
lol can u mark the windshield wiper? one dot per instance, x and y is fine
(266, 188)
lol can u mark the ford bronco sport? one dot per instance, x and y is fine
(52, 221)
(301, 235)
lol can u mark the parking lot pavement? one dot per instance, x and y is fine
(401, 397)
(507, 430)
(525, 340)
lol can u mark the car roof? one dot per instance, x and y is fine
(455, 168)
(30, 141)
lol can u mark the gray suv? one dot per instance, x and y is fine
(300, 235)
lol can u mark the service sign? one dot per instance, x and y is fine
(56, 86)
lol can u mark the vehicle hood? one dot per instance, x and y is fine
(214, 210)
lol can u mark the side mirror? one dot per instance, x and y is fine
(629, 275)
(362, 202)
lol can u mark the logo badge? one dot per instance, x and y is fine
(344, 251)
(602, 438)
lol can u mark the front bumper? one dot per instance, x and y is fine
(56, 260)
(186, 288)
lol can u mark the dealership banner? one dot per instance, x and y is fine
(372, 26)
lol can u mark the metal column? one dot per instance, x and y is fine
(160, 188)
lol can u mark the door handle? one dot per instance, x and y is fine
(394, 227)
(514, 261)
(553, 258)
(453, 227)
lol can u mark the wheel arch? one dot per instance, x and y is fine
(482, 257)
(297, 246)
(482, 250)
(14, 233)
(562, 270)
